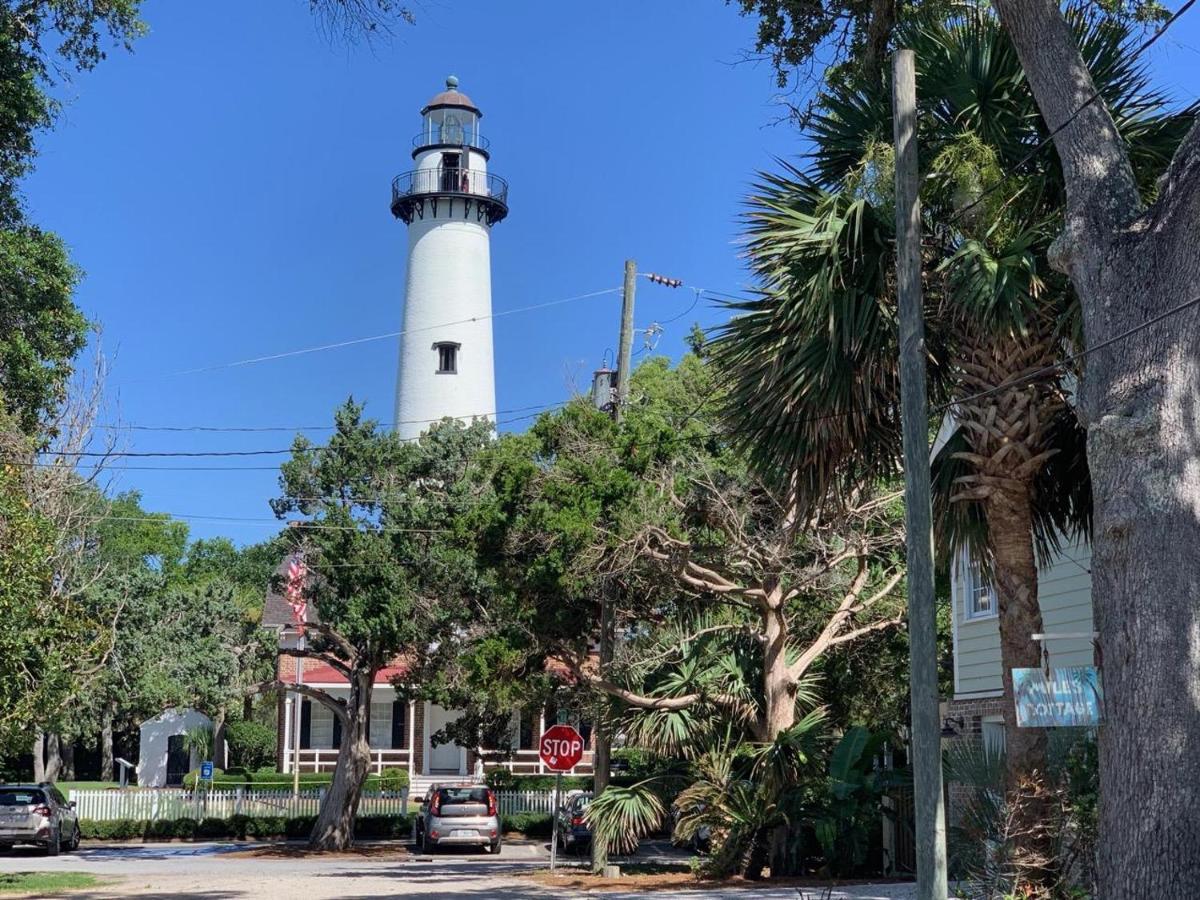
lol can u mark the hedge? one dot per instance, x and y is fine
(270, 780)
(530, 824)
(240, 827)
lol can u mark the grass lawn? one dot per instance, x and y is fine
(67, 786)
(44, 884)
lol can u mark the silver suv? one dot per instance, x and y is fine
(37, 814)
(459, 815)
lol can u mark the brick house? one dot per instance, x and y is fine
(400, 730)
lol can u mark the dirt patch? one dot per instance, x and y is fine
(662, 879)
(299, 851)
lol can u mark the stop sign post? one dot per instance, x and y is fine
(560, 749)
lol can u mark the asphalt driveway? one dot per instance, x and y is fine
(226, 871)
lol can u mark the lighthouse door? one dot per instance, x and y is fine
(450, 171)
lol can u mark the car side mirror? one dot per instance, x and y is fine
(71, 804)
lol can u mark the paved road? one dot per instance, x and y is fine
(207, 871)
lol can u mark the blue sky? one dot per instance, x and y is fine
(225, 188)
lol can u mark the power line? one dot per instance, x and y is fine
(375, 337)
(1045, 142)
(1008, 385)
(133, 454)
(252, 429)
(300, 526)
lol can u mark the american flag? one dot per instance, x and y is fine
(293, 591)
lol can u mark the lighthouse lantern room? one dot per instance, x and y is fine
(449, 201)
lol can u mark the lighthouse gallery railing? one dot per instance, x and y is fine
(449, 181)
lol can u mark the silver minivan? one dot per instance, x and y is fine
(37, 814)
(459, 815)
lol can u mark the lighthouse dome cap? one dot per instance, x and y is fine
(451, 96)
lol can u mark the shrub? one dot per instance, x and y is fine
(530, 824)
(367, 827)
(393, 780)
(503, 780)
(251, 744)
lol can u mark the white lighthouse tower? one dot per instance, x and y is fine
(450, 203)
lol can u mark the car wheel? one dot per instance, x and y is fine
(76, 837)
(54, 846)
(495, 848)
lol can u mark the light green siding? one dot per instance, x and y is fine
(1064, 592)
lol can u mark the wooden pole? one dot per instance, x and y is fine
(925, 745)
(602, 754)
(624, 353)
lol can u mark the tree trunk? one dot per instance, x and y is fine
(779, 692)
(106, 743)
(247, 708)
(1130, 266)
(67, 750)
(779, 697)
(53, 758)
(1010, 536)
(334, 829)
(39, 757)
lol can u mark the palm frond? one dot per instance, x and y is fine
(621, 816)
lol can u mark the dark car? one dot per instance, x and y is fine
(459, 815)
(574, 835)
(37, 814)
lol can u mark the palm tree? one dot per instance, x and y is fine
(811, 363)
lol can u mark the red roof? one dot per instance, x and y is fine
(317, 672)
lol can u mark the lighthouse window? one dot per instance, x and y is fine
(447, 357)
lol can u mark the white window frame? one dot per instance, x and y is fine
(969, 589)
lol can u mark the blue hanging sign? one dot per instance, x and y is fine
(206, 770)
(1068, 697)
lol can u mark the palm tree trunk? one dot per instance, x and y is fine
(1010, 536)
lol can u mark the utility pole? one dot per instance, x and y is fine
(602, 757)
(926, 741)
(625, 347)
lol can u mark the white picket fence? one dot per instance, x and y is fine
(512, 802)
(175, 803)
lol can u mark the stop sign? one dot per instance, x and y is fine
(561, 748)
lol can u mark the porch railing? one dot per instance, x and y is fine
(323, 760)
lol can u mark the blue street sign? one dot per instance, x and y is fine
(206, 770)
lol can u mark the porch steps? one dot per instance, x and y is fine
(418, 787)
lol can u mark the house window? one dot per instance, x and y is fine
(991, 731)
(320, 734)
(979, 597)
(447, 357)
(527, 736)
(380, 731)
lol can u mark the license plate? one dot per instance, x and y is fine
(461, 833)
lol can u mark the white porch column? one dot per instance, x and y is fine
(286, 759)
(538, 740)
(412, 733)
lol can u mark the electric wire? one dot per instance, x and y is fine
(253, 360)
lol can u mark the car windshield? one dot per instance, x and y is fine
(581, 803)
(451, 796)
(11, 797)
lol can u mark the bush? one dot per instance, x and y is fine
(530, 824)
(240, 827)
(393, 780)
(503, 780)
(251, 744)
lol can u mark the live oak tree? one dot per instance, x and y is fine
(387, 575)
(685, 541)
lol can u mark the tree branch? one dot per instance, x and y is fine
(330, 702)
